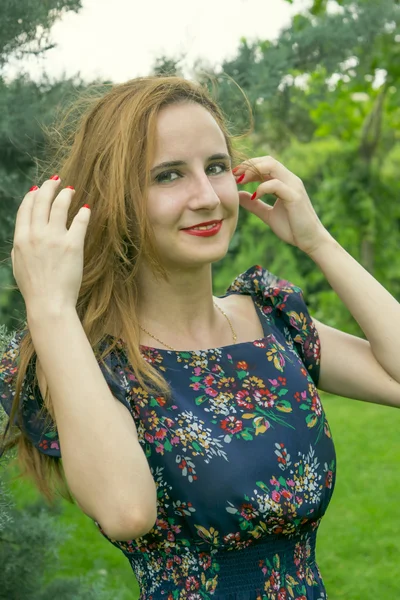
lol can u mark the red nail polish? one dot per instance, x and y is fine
(253, 196)
(55, 178)
(86, 206)
(34, 188)
(69, 187)
(235, 169)
(241, 178)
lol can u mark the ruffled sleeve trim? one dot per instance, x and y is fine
(281, 299)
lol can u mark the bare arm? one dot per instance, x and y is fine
(104, 465)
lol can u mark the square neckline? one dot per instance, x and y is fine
(261, 316)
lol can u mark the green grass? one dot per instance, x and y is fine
(358, 549)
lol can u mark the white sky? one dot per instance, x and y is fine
(120, 39)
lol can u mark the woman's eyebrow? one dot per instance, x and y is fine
(182, 163)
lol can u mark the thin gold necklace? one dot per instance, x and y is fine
(234, 336)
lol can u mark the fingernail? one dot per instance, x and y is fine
(86, 206)
(253, 196)
(55, 178)
(69, 187)
(235, 169)
(35, 187)
(241, 178)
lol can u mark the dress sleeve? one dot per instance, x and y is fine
(284, 303)
(36, 422)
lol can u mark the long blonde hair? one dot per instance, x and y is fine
(106, 154)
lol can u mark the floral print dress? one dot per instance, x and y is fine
(242, 456)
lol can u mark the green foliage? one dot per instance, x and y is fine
(25, 25)
(31, 536)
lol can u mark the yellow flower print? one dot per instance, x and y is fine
(210, 536)
(274, 355)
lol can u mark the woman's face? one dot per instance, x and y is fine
(199, 189)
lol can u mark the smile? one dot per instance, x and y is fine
(205, 230)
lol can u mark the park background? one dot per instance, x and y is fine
(324, 88)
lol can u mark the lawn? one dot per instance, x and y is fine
(358, 548)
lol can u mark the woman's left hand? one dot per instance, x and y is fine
(292, 217)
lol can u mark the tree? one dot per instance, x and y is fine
(319, 107)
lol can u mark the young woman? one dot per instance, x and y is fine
(189, 426)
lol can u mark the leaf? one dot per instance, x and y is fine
(196, 446)
(284, 406)
(167, 445)
(200, 399)
(263, 486)
(242, 374)
(311, 420)
(246, 435)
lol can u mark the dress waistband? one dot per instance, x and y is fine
(248, 573)
(272, 558)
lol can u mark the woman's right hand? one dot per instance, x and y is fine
(47, 257)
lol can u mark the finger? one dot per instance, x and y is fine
(259, 208)
(59, 210)
(270, 169)
(285, 192)
(24, 215)
(43, 201)
(79, 225)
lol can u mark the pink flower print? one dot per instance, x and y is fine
(290, 482)
(195, 386)
(191, 584)
(197, 371)
(232, 537)
(260, 344)
(267, 398)
(232, 424)
(175, 440)
(274, 481)
(205, 560)
(160, 449)
(148, 437)
(210, 392)
(170, 536)
(275, 496)
(177, 559)
(55, 445)
(286, 494)
(243, 399)
(160, 434)
(273, 381)
(208, 380)
(242, 395)
(247, 511)
(282, 594)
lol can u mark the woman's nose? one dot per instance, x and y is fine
(204, 193)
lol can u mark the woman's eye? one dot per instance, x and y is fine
(221, 166)
(165, 177)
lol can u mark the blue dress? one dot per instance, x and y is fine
(242, 456)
